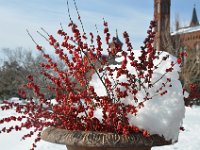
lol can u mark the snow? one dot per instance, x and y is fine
(186, 30)
(161, 115)
(188, 139)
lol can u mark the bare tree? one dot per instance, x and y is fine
(10, 79)
(16, 66)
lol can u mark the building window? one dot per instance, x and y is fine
(158, 7)
(158, 24)
(196, 47)
(157, 46)
(168, 9)
(197, 51)
(165, 8)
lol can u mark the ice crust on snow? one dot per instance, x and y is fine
(161, 115)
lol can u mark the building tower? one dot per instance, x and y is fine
(162, 18)
(194, 21)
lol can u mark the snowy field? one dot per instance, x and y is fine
(188, 139)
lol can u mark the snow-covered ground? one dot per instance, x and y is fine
(188, 139)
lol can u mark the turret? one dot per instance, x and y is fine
(194, 21)
(162, 18)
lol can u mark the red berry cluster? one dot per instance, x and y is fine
(194, 95)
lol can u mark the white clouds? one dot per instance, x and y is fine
(18, 15)
(32, 16)
(130, 20)
(12, 28)
(14, 24)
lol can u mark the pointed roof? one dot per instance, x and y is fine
(194, 21)
(117, 39)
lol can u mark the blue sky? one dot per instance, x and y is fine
(126, 15)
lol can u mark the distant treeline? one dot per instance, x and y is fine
(15, 67)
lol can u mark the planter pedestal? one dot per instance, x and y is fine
(89, 140)
(101, 148)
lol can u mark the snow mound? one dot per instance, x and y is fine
(161, 115)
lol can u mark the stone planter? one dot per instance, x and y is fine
(82, 140)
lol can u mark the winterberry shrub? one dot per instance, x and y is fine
(76, 98)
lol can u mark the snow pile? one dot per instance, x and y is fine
(16, 100)
(162, 114)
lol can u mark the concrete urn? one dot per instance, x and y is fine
(89, 140)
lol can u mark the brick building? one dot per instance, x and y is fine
(189, 36)
(182, 39)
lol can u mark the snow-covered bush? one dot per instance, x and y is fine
(139, 93)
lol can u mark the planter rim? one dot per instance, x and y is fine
(100, 139)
